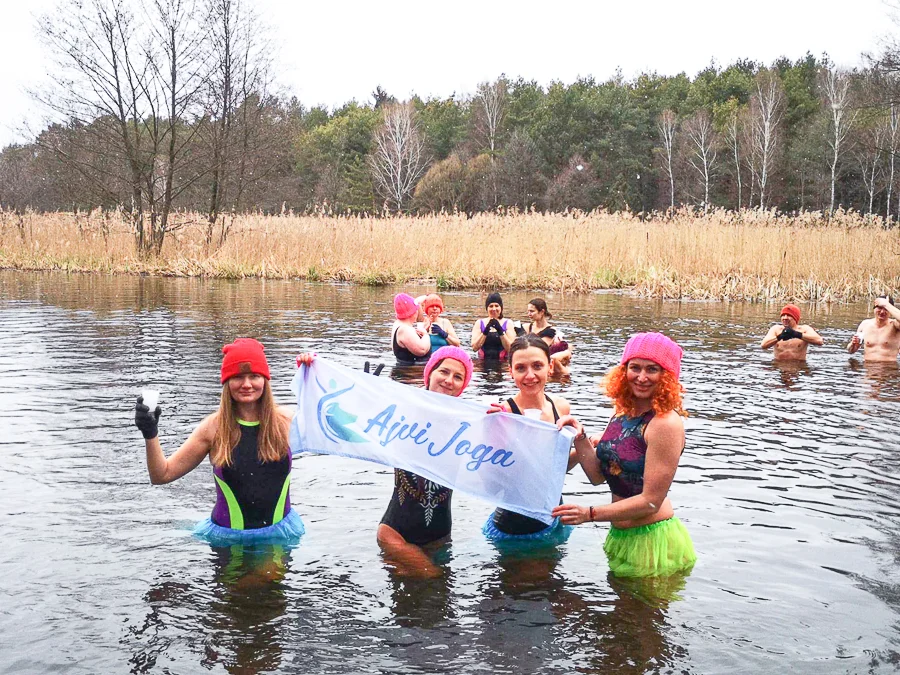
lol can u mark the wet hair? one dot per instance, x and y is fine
(524, 342)
(273, 431)
(492, 298)
(541, 305)
(886, 297)
(666, 398)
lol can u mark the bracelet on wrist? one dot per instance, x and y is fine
(591, 508)
(582, 435)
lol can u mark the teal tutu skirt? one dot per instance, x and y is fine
(553, 534)
(287, 531)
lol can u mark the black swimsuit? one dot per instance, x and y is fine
(510, 522)
(492, 349)
(419, 509)
(404, 356)
(251, 493)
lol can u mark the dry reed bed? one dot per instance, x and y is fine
(744, 255)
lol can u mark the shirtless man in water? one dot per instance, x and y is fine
(880, 335)
(789, 338)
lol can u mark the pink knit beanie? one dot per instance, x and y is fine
(654, 347)
(404, 306)
(450, 352)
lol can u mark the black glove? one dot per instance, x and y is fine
(376, 372)
(790, 334)
(437, 330)
(146, 421)
(493, 323)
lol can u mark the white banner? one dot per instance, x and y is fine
(508, 460)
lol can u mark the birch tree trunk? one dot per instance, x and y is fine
(766, 107)
(835, 86)
(667, 125)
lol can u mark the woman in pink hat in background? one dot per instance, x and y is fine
(638, 455)
(409, 344)
(439, 329)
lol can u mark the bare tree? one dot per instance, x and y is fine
(666, 124)
(127, 82)
(835, 86)
(490, 100)
(891, 123)
(236, 99)
(398, 158)
(766, 111)
(868, 152)
(703, 148)
(733, 138)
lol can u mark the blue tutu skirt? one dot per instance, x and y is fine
(554, 534)
(287, 531)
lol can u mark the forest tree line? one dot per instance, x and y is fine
(168, 106)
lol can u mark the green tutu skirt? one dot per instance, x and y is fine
(654, 550)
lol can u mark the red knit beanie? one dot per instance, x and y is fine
(792, 311)
(244, 355)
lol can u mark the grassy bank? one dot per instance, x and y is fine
(739, 256)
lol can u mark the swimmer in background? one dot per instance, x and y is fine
(560, 350)
(790, 339)
(439, 329)
(880, 335)
(409, 344)
(246, 441)
(493, 335)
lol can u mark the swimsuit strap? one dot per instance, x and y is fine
(553, 406)
(516, 411)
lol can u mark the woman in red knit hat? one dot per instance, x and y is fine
(246, 440)
(638, 455)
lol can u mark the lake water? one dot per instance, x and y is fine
(789, 487)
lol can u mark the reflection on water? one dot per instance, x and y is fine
(788, 486)
(240, 611)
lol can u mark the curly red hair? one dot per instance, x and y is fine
(666, 398)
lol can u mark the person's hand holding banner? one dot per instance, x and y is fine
(507, 460)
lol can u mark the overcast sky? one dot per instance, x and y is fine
(332, 52)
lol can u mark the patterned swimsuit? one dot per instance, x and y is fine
(419, 508)
(622, 452)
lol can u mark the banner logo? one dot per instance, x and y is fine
(334, 421)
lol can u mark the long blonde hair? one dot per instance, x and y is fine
(273, 430)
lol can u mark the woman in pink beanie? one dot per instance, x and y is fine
(409, 344)
(417, 520)
(638, 455)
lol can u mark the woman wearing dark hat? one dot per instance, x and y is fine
(638, 455)
(493, 335)
(246, 441)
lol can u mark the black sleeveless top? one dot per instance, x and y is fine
(510, 522)
(250, 490)
(419, 509)
(404, 356)
(493, 349)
